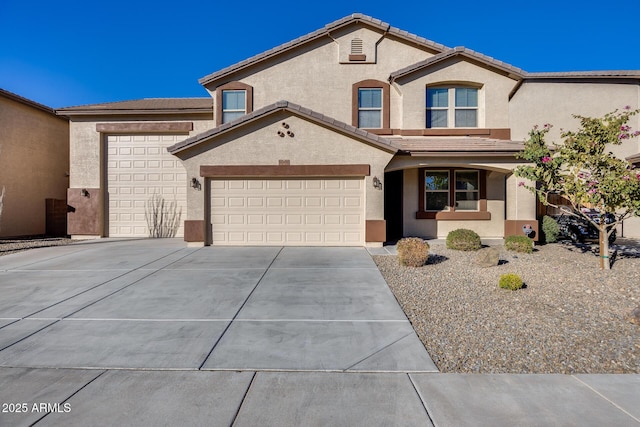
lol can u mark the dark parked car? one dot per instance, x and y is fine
(579, 230)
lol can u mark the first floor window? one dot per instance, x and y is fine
(436, 184)
(441, 193)
(233, 104)
(447, 105)
(370, 108)
(467, 191)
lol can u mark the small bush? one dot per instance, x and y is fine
(463, 240)
(413, 252)
(550, 229)
(521, 244)
(511, 281)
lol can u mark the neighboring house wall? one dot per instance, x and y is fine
(34, 164)
(556, 101)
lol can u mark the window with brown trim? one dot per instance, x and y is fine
(370, 105)
(452, 194)
(233, 100)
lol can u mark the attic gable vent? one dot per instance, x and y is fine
(356, 47)
(356, 51)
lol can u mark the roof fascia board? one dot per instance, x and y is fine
(29, 103)
(325, 31)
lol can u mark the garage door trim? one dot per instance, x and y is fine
(289, 171)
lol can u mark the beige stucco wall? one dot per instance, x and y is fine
(258, 143)
(314, 77)
(34, 161)
(86, 149)
(493, 96)
(537, 103)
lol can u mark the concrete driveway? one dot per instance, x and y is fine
(150, 333)
(155, 304)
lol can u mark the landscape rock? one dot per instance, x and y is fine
(488, 257)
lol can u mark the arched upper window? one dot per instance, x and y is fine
(452, 106)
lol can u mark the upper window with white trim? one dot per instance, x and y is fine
(452, 107)
(370, 108)
(233, 104)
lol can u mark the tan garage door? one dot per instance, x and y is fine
(139, 167)
(309, 212)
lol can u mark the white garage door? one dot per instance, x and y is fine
(310, 212)
(139, 167)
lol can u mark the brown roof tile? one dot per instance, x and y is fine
(458, 51)
(467, 145)
(146, 106)
(347, 20)
(376, 140)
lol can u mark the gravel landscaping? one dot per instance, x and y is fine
(9, 246)
(569, 319)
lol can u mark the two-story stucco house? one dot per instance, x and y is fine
(354, 134)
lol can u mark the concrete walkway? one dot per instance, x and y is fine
(150, 332)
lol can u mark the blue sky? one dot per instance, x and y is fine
(77, 52)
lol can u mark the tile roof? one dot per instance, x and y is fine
(462, 145)
(633, 74)
(146, 106)
(458, 51)
(376, 140)
(347, 20)
(634, 159)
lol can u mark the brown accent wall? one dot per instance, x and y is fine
(243, 171)
(156, 127)
(513, 227)
(194, 230)
(375, 230)
(83, 217)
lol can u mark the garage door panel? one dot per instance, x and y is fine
(138, 167)
(288, 212)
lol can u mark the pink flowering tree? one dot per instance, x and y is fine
(585, 172)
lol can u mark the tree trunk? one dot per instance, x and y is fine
(605, 264)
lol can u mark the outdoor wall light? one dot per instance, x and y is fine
(195, 183)
(290, 133)
(285, 125)
(85, 193)
(377, 184)
(281, 134)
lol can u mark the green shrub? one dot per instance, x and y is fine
(511, 281)
(521, 244)
(550, 229)
(463, 240)
(413, 252)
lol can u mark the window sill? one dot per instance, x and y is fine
(455, 216)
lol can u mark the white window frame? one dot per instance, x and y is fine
(451, 107)
(475, 190)
(379, 109)
(230, 110)
(447, 191)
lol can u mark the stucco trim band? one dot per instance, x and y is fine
(155, 127)
(269, 171)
